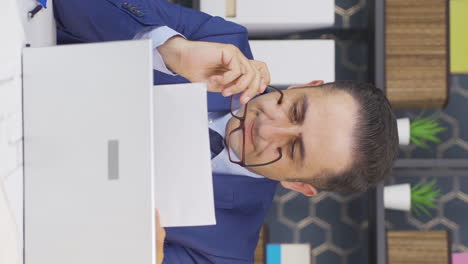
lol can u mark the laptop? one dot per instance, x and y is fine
(88, 156)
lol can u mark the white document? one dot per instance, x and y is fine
(183, 177)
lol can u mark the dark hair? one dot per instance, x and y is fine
(375, 141)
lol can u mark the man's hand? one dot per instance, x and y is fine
(222, 66)
(160, 237)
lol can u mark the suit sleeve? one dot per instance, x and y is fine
(174, 254)
(110, 20)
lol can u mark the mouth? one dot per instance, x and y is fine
(249, 132)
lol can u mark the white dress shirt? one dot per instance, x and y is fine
(159, 36)
(221, 163)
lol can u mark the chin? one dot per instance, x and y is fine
(259, 171)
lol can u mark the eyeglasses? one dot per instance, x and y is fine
(239, 112)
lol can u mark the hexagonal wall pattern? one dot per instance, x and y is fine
(335, 226)
(452, 207)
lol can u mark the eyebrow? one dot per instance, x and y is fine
(304, 107)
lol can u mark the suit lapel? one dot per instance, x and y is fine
(218, 103)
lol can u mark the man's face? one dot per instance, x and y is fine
(312, 127)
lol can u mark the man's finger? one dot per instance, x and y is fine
(263, 68)
(233, 63)
(263, 85)
(241, 84)
(220, 82)
(217, 83)
(161, 233)
(234, 70)
(253, 89)
(160, 237)
(158, 219)
(214, 83)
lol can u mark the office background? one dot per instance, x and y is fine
(335, 225)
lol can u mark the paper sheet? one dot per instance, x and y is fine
(183, 177)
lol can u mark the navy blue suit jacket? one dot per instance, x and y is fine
(241, 202)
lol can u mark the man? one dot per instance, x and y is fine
(337, 137)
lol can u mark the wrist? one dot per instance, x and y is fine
(171, 52)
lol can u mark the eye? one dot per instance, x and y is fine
(295, 114)
(293, 145)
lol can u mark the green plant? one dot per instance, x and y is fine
(423, 197)
(423, 130)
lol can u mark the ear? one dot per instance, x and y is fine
(312, 83)
(304, 188)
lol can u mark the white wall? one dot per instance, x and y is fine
(40, 31)
(11, 172)
(296, 61)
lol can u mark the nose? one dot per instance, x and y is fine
(278, 132)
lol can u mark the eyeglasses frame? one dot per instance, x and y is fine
(242, 127)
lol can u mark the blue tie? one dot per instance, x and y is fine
(216, 143)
